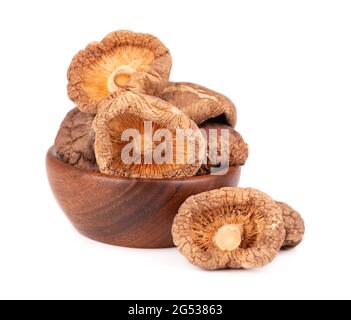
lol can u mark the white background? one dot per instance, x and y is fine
(287, 67)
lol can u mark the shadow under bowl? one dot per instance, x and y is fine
(126, 212)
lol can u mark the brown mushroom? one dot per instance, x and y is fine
(229, 228)
(225, 147)
(156, 149)
(74, 142)
(123, 60)
(294, 226)
(200, 103)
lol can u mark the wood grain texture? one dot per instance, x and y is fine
(125, 212)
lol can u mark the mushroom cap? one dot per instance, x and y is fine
(234, 151)
(123, 60)
(135, 111)
(201, 216)
(200, 103)
(294, 226)
(74, 141)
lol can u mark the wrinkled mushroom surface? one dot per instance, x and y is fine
(200, 103)
(294, 226)
(148, 156)
(229, 228)
(74, 142)
(123, 60)
(225, 146)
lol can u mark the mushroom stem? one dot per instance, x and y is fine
(120, 77)
(228, 237)
(144, 146)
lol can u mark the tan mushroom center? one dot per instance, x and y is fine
(144, 145)
(228, 237)
(120, 77)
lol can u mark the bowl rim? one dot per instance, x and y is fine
(53, 156)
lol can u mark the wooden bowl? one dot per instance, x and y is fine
(125, 212)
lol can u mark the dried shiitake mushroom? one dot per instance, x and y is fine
(294, 226)
(229, 228)
(74, 142)
(200, 103)
(234, 228)
(123, 60)
(155, 150)
(225, 146)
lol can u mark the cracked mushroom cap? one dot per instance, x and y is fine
(200, 103)
(224, 146)
(294, 226)
(136, 137)
(229, 228)
(74, 141)
(123, 60)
